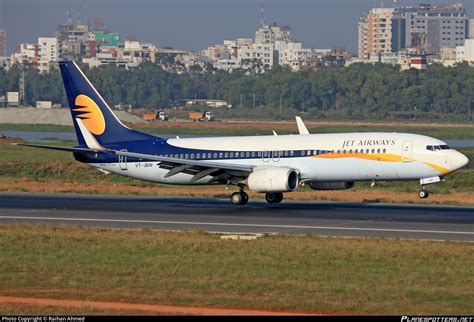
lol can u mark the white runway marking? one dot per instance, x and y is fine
(238, 225)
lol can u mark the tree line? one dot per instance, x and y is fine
(360, 91)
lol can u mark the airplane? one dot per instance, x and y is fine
(270, 164)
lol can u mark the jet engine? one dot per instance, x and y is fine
(331, 185)
(273, 180)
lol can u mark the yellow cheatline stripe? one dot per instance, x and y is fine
(436, 167)
(384, 157)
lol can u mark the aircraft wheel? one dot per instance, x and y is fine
(423, 194)
(245, 198)
(279, 197)
(273, 197)
(239, 198)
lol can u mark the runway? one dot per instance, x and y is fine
(219, 215)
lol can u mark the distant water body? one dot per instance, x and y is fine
(71, 136)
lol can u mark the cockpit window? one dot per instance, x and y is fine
(437, 147)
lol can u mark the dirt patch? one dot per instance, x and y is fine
(284, 125)
(149, 308)
(360, 195)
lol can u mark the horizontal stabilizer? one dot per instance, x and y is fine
(58, 148)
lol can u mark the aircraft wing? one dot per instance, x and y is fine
(221, 171)
(198, 168)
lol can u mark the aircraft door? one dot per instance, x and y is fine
(122, 159)
(276, 156)
(406, 151)
(266, 156)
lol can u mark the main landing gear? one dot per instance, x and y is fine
(273, 197)
(239, 198)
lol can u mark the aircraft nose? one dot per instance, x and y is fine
(459, 160)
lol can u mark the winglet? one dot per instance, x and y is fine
(301, 127)
(275, 133)
(91, 142)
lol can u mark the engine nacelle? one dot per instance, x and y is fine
(273, 180)
(331, 185)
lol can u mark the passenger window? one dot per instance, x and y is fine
(221, 155)
(232, 155)
(338, 151)
(215, 155)
(378, 150)
(367, 151)
(259, 154)
(292, 153)
(344, 151)
(236, 154)
(198, 156)
(384, 150)
(373, 150)
(226, 155)
(247, 154)
(186, 156)
(192, 156)
(350, 151)
(209, 155)
(253, 154)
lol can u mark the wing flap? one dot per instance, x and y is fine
(199, 163)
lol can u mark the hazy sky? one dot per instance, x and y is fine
(196, 24)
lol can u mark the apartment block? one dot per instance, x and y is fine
(72, 39)
(470, 28)
(48, 52)
(424, 28)
(379, 30)
(3, 42)
(465, 53)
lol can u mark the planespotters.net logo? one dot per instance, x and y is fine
(437, 319)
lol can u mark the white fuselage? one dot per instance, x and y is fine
(317, 157)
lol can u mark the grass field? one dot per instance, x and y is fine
(442, 131)
(306, 274)
(32, 310)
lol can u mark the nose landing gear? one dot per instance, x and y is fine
(423, 193)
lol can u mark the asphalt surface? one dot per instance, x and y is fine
(219, 215)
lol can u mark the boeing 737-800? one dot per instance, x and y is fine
(272, 164)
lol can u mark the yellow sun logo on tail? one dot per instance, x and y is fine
(90, 114)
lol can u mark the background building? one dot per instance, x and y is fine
(471, 29)
(3, 42)
(48, 53)
(423, 28)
